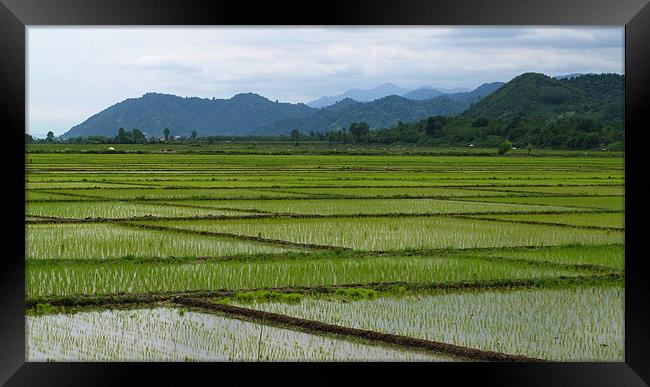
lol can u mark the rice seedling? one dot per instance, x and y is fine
(579, 324)
(174, 194)
(397, 233)
(74, 278)
(607, 220)
(104, 241)
(83, 184)
(379, 206)
(166, 334)
(49, 196)
(559, 190)
(615, 203)
(605, 256)
(80, 210)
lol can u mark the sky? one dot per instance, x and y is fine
(75, 72)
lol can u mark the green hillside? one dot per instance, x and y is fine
(537, 95)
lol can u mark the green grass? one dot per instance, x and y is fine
(579, 324)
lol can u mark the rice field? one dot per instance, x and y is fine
(603, 203)
(495, 255)
(396, 233)
(172, 194)
(378, 206)
(109, 241)
(73, 278)
(612, 257)
(560, 190)
(580, 324)
(171, 334)
(113, 210)
(602, 220)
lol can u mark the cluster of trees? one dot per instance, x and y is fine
(50, 138)
(564, 132)
(134, 136)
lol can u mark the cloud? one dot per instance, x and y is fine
(82, 70)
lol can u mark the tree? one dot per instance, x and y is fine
(433, 125)
(480, 122)
(166, 132)
(138, 136)
(28, 138)
(123, 137)
(504, 147)
(295, 135)
(529, 148)
(50, 136)
(193, 136)
(359, 131)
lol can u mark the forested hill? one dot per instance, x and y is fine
(537, 95)
(153, 112)
(251, 114)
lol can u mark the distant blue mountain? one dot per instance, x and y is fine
(360, 95)
(381, 91)
(423, 93)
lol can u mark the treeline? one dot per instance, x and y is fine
(137, 136)
(123, 136)
(565, 132)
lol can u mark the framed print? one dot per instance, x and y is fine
(377, 188)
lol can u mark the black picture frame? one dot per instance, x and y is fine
(16, 15)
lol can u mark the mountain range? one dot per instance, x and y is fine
(527, 95)
(381, 91)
